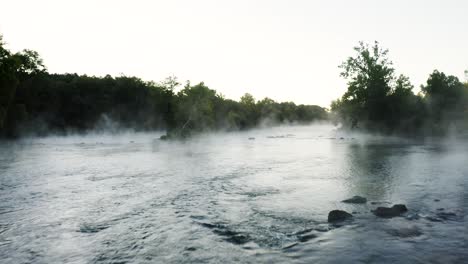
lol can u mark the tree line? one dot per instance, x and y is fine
(33, 101)
(379, 100)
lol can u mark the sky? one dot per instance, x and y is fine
(287, 50)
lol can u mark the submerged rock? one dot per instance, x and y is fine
(307, 237)
(288, 246)
(338, 215)
(190, 248)
(413, 231)
(388, 212)
(447, 215)
(92, 228)
(433, 219)
(442, 216)
(356, 200)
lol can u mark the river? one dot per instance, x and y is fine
(259, 196)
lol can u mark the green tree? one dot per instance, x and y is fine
(446, 98)
(14, 68)
(250, 114)
(195, 110)
(369, 74)
(8, 81)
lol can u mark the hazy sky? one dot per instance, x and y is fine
(286, 50)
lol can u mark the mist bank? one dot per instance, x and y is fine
(379, 100)
(35, 102)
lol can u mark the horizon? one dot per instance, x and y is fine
(237, 48)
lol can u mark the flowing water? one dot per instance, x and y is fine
(259, 196)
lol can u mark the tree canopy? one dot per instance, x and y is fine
(35, 101)
(378, 100)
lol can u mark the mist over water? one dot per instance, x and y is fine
(256, 196)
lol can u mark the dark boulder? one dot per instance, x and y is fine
(388, 212)
(338, 215)
(356, 200)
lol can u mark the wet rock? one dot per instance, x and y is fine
(338, 215)
(238, 239)
(190, 248)
(307, 237)
(440, 209)
(388, 212)
(356, 200)
(228, 234)
(379, 202)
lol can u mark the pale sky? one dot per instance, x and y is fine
(285, 50)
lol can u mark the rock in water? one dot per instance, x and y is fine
(393, 211)
(338, 215)
(356, 200)
(405, 232)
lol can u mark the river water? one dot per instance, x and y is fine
(131, 198)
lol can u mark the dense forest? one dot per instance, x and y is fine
(35, 102)
(378, 100)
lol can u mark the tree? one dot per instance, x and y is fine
(446, 97)
(8, 81)
(29, 62)
(369, 74)
(15, 68)
(32, 100)
(250, 114)
(195, 110)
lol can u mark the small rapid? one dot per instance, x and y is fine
(255, 196)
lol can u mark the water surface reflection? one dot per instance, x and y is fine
(133, 198)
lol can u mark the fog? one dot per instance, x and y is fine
(260, 195)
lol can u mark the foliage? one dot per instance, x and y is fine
(378, 100)
(34, 101)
